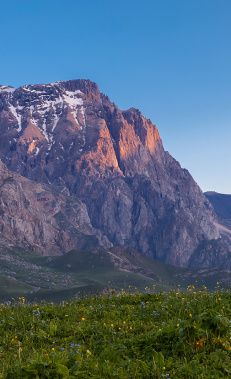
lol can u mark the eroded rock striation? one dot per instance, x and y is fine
(136, 195)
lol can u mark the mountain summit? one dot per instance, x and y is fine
(69, 134)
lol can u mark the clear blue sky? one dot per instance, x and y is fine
(169, 58)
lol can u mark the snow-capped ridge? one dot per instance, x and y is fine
(8, 89)
(44, 104)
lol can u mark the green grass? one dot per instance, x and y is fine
(176, 334)
(13, 285)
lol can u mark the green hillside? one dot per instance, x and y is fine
(9, 284)
(59, 278)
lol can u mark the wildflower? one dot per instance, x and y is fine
(104, 323)
(190, 315)
(124, 322)
(112, 325)
(83, 319)
(119, 328)
(164, 368)
(53, 348)
(198, 345)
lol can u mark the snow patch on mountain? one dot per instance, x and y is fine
(70, 98)
(18, 117)
(7, 89)
(44, 108)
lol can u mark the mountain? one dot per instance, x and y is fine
(216, 253)
(221, 204)
(135, 194)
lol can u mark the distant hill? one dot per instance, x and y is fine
(221, 204)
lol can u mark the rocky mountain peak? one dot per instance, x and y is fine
(135, 193)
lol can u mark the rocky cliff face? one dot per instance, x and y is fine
(136, 194)
(42, 217)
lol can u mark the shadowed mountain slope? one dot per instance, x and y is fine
(221, 204)
(216, 253)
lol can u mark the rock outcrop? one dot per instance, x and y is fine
(136, 194)
(42, 217)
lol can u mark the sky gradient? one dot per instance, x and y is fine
(169, 58)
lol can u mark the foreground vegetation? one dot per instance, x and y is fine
(127, 334)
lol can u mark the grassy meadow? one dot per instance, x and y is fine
(125, 334)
